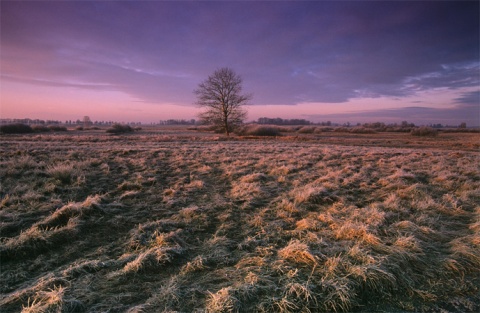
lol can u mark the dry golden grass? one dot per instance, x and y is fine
(308, 222)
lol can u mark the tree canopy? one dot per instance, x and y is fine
(221, 97)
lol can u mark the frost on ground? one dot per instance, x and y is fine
(139, 225)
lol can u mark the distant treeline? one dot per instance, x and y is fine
(281, 121)
(28, 121)
(178, 122)
(19, 128)
(86, 122)
(380, 126)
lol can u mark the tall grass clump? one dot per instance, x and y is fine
(51, 300)
(64, 172)
(16, 129)
(222, 301)
(24, 162)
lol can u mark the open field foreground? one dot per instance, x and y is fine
(97, 223)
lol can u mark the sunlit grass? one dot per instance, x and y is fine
(144, 225)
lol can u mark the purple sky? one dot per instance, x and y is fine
(340, 61)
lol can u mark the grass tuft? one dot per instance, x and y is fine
(64, 172)
(51, 300)
(299, 253)
(222, 301)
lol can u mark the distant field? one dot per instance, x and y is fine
(170, 219)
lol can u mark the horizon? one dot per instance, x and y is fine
(356, 62)
(193, 121)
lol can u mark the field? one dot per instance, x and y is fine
(175, 220)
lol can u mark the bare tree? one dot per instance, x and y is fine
(221, 97)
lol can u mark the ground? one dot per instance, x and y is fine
(165, 220)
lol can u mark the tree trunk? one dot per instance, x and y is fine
(226, 127)
(225, 120)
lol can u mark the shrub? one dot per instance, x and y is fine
(306, 130)
(319, 130)
(461, 130)
(287, 129)
(118, 129)
(205, 128)
(424, 131)
(341, 130)
(362, 130)
(16, 129)
(40, 129)
(57, 128)
(398, 129)
(258, 130)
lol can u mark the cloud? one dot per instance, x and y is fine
(50, 83)
(452, 76)
(467, 110)
(469, 98)
(287, 52)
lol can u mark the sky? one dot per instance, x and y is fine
(339, 61)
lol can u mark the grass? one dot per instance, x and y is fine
(161, 223)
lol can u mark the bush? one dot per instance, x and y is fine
(57, 128)
(398, 129)
(118, 129)
(258, 130)
(205, 128)
(215, 128)
(286, 129)
(306, 130)
(341, 130)
(424, 131)
(40, 129)
(362, 130)
(461, 130)
(319, 130)
(16, 129)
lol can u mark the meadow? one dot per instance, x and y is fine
(173, 220)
